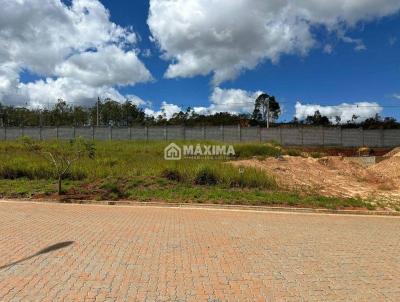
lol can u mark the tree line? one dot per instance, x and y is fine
(109, 112)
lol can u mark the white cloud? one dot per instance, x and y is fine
(396, 96)
(75, 47)
(222, 100)
(230, 100)
(167, 110)
(358, 43)
(108, 66)
(226, 37)
(46, 92)
(345, 111)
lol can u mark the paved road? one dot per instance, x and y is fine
(53, 252)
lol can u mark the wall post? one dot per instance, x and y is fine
(302, 135)
(363, 137)
(184, 132)
(341, 136)
(240, 133)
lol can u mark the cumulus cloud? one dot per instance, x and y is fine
(46, 92)
(222, 100)
(108, 66)
(166, 110)
(226, 37)
(230, 100)
(73, 48)
(345, 111)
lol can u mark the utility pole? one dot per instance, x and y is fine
(268, 113)
(97, 109)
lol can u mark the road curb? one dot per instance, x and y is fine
(215, 206)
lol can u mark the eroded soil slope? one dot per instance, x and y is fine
(336, 176)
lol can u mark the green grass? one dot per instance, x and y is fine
(138, 171)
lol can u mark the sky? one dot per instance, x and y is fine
(340, 57)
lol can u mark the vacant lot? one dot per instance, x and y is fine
(259, 174)
(53, 252)
(138, 171)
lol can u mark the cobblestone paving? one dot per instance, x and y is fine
(53, 252)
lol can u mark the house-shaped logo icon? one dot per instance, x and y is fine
(173, 152)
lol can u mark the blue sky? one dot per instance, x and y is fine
(345, 75)
(329, 72)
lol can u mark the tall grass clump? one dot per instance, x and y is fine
(18, 168)
(257, 150)
(206, 176)
(248, 178)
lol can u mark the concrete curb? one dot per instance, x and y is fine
(215, 206)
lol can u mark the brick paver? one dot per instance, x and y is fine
(169, 254)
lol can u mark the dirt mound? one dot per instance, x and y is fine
(389, 167)
(333, 176)
(394, 153)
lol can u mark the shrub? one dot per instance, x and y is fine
(172, 174)
(293, 152)
(251, 150)
(316, 155)
(206, 177)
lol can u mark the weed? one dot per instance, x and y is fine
(206, 177)
(172, 174)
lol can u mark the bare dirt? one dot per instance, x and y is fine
(335, 176)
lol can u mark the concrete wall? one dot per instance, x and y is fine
(316, 136)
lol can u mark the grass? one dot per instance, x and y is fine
(138, 171)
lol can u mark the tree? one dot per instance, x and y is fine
(61, 155)
(62, 113)
(317, 119)
(266, 109)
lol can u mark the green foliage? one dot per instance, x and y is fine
(293, 152)
(316, 154)
(206, 177)
(172, 174)
(266, 108)
(317, 119)
(251, 150)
